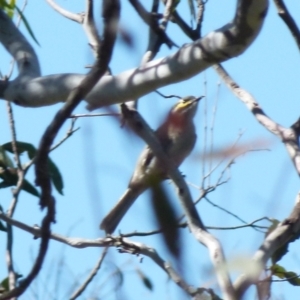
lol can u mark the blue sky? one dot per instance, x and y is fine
(97, 161)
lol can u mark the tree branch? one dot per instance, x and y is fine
(289, 136)
(94, 272)
(111, 11)
(220, 45)
(123, 244)
(286, 232)
(288, 20)
(67, 14)
(19, 48)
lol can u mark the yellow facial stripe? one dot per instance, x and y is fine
(183, 104)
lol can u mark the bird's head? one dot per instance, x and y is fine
(185, 109)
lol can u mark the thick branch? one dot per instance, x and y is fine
(111, 15)
(286, 232)
(111, 11)
(288, 20)
(19, 48)
(220, 45)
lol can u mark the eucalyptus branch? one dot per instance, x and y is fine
(287, 18)
(123, 244)
(90, 27)
(31, 90)
(136, 248)
(111, 13)
(289, 136)
(65, 13)
(156, 39)
(86, 19)
(151, 20)
(285, 233)
(169, 7)
(200, 15)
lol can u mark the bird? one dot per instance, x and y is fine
(177, 136)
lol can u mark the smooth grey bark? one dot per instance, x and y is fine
(219, 45)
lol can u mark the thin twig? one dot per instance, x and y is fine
(150, 20)
(205, 121)
(89, 279)
(200, 15)
(213, 169)
(68, 134)
(169, 6)
(90, 28)
(289, 136)
(165, 96)
(184, 224)
(227, 211)
(212, 128)
(67, 14)
(9, 245)
(70, 131)
(94, 115)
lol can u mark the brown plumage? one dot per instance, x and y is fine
(178, 137)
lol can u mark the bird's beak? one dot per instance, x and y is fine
(199, 98)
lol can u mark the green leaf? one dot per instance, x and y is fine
(8, 8)
(54, 172)
(291, 277)
(55, 176)
(10, 178)
(29, 188)
(278, 271)
(2, 227)
(5, 160)
(27, 25)
(21, 147)
(146, 281)
(4, 284)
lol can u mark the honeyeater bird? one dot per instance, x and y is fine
(177, 136)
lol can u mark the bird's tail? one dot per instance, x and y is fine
(113, 218)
